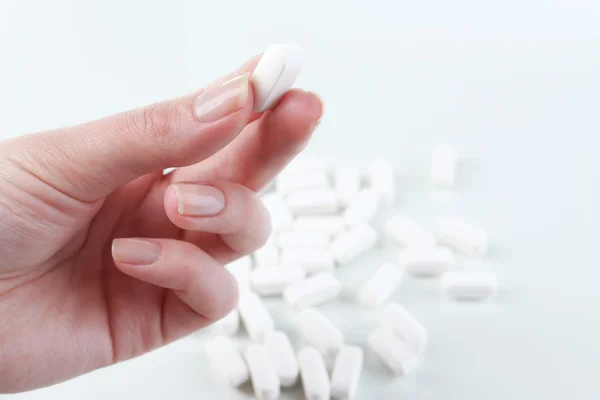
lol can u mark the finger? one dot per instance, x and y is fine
(264, 147)
(228, 209)
(195, 278)
(89, 161)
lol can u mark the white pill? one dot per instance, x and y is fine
(300, 181)
(333, 225)
(303, 239)
(463, 237)
(408, 232)
(304, 166)
(257, 319)
(313, 202)
(312, 260)
(382, 179)
(282, 357)
(240, 269)
(347, 183)
(346, 372)
(227, 361)
(262, 373)
(381, 286)
(469, 285)
(228, 325)
(319, 331)
(275, 74)
(314, 290)
(405, 325)
(272, 281)
(268, 254)
(352, 244)
(363, 208)
(426, 261)
(443, 165)
(393, 351)
(281, 216)
(315, 380)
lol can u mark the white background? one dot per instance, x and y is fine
(514, 84)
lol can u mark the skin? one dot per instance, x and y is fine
(66, 306)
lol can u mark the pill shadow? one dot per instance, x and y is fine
(246, 390)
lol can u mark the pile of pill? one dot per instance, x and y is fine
(322, 219)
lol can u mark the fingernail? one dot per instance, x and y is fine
(316, 124)
(220, 100)
(135, 251)
(198, 200)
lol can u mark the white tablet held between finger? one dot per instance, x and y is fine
(275, 74)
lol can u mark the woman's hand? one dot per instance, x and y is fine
(102, 258)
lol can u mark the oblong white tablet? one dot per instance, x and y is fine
(313, 202)
(275, 74)
(227, 361)
(405, 325)
(228, 325)
(263, 375)
(240, 269)
(315, 379)
(272, 281)
(319, 331)
(290, 182)
(443, 165)
(363, 207)
(469, 285)
(463, 237)
(393, 351)
(304, 166)
(282, 357)
(312, 260)
(314, 290)
(303, 239)
(426, 261)
(354, 243)
(347, 183)
(281, 216)
(346, 372)
(380, 287)
(257, 319)
(267, 255)
(333, 225)
(382, 179)
(407, 232)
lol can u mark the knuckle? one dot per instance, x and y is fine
(156, 123)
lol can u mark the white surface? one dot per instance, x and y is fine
(514, 84)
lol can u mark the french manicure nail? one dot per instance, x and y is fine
(220, 100)
(135, 251)
(195, 200)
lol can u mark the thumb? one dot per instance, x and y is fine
(89, 161)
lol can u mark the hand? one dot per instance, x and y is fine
(102, 258)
